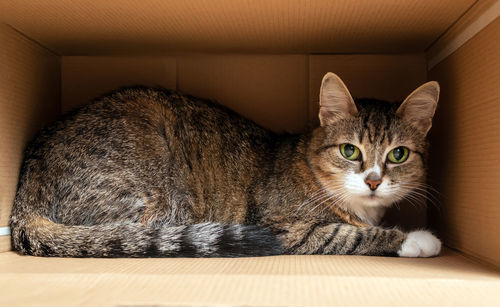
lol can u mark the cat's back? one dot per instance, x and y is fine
(138, 144)
(138, 114)
(136, 131)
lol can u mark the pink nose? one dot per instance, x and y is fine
(373, 184)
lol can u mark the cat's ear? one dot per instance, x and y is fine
(335, 101)
(419, 107)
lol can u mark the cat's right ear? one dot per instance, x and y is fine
(335, 101)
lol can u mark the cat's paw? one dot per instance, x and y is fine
(420, 243)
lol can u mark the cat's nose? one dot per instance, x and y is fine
(373, 181)
(373, 184)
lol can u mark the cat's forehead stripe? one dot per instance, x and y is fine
(376, 128)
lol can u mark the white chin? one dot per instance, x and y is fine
(373, 201)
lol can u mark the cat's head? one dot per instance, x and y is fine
(369, 152)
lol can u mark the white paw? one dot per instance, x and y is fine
(420, 243)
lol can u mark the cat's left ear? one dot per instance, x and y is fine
(419, 107)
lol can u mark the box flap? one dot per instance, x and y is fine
(95, 27)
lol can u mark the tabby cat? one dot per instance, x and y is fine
(147, 172)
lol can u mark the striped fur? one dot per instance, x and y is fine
(46, 238)
(144, 172)
(344, 239)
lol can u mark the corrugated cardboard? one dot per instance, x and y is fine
(449, 280)
(465, 162)
(465, 159)
(85, 78)
(29, 98)
(269, 89)
(256, 86)
(470, 23)
(5, 244)
(90, 27)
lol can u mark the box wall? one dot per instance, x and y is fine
(268, 89)
(465, 147)
(29, 98)
(253, 79)
(257, 86)
(85, 78)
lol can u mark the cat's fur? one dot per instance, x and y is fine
(146, 172)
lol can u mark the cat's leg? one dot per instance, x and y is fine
(346, 239)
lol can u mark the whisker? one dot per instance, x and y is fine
(338, 196)
(317, 194)
(416, 196)
(422, 187)
(325, 188)
(424, 197)
(319, 204)
(321, 199)
(323, 192)
(422, 191)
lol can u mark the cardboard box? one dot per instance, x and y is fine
(260, 58)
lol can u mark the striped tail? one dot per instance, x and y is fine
(42, 237)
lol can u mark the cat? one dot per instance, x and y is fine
(149, 172)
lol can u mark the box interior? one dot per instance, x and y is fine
(265, 60)
(450, 279)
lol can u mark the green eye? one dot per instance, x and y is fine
(349, 151)
(398, 155)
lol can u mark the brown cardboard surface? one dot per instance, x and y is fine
(448, 280)
(269, 89)
(474, 20)
(466, 147)
(285, 86)
(257, 86)
(29, 98)
(5, 244)
(84, 78)
(95, 27)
